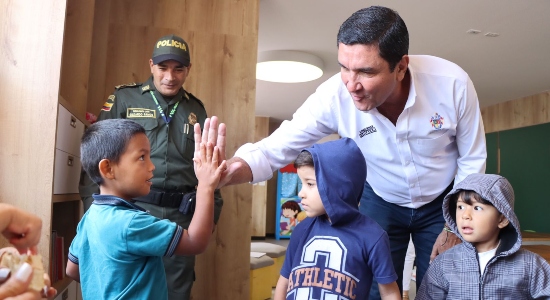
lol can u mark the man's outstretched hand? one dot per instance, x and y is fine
(216, 134)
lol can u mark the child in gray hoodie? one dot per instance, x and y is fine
(489, 264)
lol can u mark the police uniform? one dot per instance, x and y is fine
(172, 150)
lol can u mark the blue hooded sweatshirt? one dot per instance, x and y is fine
(337, 257)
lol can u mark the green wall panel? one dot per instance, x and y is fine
(525, 162)
(492, 153)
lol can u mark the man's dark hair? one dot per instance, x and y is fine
(377, 25)
(105, 139)
(304, 159)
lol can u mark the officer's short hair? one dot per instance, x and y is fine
(106, 139)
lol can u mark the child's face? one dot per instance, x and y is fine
(479, 224)
(134, 171)
(311, 200)
(289, 213)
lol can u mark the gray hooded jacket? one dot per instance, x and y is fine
(513, 273)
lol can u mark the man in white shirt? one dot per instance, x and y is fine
(415, 118)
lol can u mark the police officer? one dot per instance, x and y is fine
(168, 114)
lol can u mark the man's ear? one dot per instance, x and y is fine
(402, 67)
(503, 222)
(106, 169)
(151, 64)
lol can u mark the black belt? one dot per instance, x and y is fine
(164, 199)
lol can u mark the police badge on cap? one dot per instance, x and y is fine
(171, 47)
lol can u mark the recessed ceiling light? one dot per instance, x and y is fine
(473, 31)
(492, 34)
(288, 66)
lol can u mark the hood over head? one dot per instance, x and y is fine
(497, 190)
(340, 171)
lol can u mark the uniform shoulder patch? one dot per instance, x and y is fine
(109, 103)
(133, 84)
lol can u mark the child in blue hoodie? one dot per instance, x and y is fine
(336, 251)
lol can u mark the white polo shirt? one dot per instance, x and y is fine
(438, 137)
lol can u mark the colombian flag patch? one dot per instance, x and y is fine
(109, 103)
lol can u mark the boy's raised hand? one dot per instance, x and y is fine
(208, 169)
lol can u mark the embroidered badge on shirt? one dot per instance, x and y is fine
(109, 103)
(192, 119)
(367, 130)
(141, 113)
(437, 121)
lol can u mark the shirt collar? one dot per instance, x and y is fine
(114, 201)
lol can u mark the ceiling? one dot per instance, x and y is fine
(513, 65)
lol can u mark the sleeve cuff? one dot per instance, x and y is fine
(259, 164)
(175, 241)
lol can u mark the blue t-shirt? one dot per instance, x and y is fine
(119, 248)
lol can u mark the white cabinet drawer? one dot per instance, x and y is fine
(66, 173)
(69, 132)
(70, 293)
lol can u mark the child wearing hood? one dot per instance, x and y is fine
(489, 264)
(336, 251)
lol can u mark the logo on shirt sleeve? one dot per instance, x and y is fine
(437, 121)
(109, 103)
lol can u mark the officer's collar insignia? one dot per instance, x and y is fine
(145, 88)
(126, 85)
(192, 119)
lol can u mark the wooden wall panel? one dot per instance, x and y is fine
(527, 111)
(259, 190)
(271, 201)
(222, 36)
(32, 37)
(98, 58)
(75, 65)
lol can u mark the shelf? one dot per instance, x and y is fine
(61, 285)
(65, 197)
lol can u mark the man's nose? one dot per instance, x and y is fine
(169, 75)
(352, 84)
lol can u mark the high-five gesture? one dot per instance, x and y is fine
(212, 133)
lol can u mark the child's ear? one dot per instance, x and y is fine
(106, 169)
(503, 222)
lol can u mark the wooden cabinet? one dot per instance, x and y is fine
(71, 292)
(67, 152)
(67, 207)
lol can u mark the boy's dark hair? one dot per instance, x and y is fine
(105, 139)
(377, 25)
(304, 159)
(467, 197)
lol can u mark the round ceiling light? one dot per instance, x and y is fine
(288, 66)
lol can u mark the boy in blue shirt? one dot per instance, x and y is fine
(118, 249)
(336, 251)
